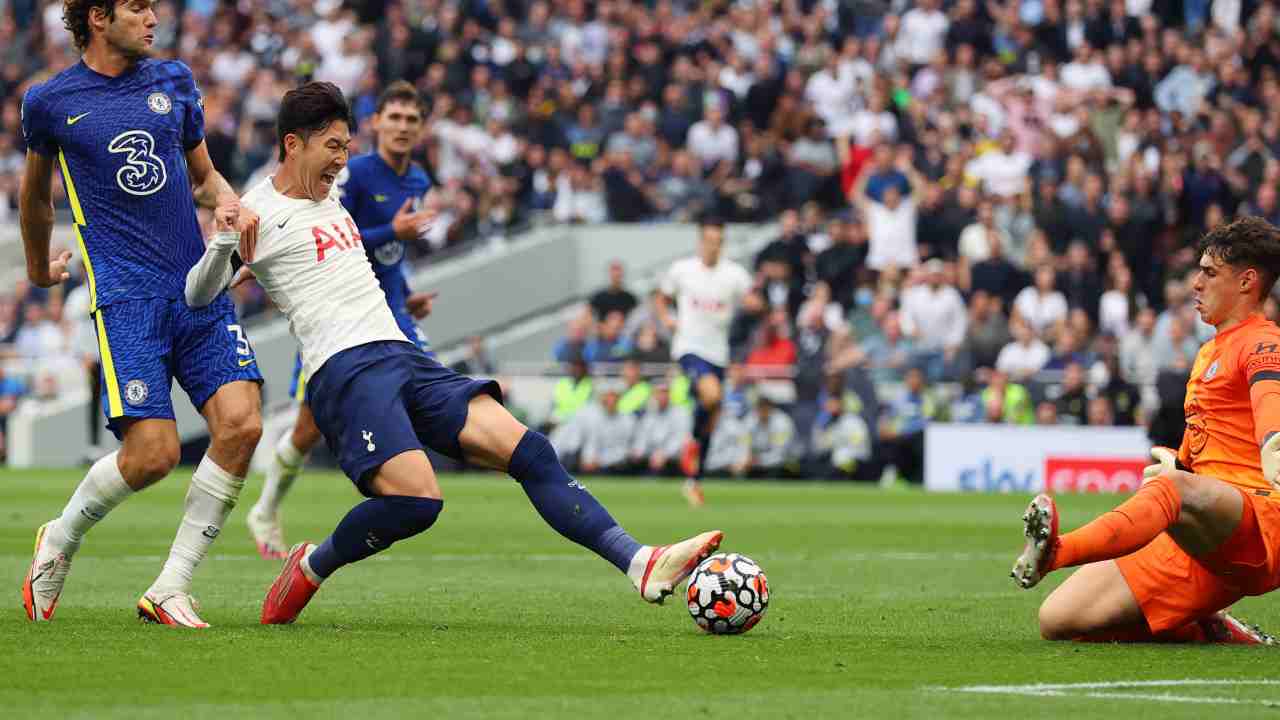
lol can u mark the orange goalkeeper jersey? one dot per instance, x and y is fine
(1233, 403)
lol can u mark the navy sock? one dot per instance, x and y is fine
(702, 433)
(567, 506)
(371, 527)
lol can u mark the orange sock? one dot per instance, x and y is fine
(1136, 522)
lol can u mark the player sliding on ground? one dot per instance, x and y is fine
(376, 397)
(127, 133)
(381, 191)
(1166, 562)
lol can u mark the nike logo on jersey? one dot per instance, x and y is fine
(73, 120)
(379, 198)
(246, 363)
(281, 225)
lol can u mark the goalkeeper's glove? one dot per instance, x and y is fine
(1270, 452)
(1166, 461)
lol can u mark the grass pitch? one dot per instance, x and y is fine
(884, 605)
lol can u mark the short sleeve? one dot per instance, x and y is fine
(192, 111)
(671, 282)
(36, 128)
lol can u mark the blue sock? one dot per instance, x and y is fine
(567, 506)
(371, 527)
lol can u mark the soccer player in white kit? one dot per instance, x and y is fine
(377, 399)
(707, 289)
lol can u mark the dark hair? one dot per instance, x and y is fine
(311, 108)
(1249, 242)
(401, 91)
(75, 18)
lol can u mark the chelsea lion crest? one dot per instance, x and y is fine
(1213, 370)
(159, 103)
(135, 392)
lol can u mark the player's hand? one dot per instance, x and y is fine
(419, 304)
(247, 225)
(408, 224)
(57, 271)
(1166, 461)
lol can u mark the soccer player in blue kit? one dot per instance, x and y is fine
(127, 134)
(383, 190)
(377, 398)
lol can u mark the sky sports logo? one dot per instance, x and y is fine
(1060, 474)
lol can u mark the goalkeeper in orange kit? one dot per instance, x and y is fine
(1164, 565)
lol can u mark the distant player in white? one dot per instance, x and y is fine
(707, 290)
(377, 399)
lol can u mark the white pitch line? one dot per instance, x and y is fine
(1064, 690)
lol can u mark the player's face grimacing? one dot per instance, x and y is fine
(131, 31)
(398, 127)
(1216, 289)
(321, 157)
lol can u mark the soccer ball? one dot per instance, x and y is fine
(728, 594)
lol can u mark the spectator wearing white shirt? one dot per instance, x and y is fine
(713, 141)
(1138, 350)
(1085, 72)
(891, 222)
(923, 31)
(1117, 304)
(833, 95)
(1040, 305)
(1003, 172)
(977, 239)
(579, 197)
(934, 316)
(1025, 356)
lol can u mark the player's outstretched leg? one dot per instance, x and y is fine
(406, 501)
(287, 461)
(148, 453)
(233, 413)
(495, 439)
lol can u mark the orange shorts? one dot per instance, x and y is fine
(1173, 588)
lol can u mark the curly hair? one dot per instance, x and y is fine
(1249, 242)
(75, 18)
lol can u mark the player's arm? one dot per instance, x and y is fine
(211, 274)
(211, 190)
(1262, 368)
(35, 206)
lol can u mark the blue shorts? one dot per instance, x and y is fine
(144, 345)
(298, 381)
(377, 400)
(695, 367)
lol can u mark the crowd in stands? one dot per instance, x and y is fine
(987, 192)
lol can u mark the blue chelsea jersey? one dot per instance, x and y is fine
(120, 144)
(373, 193)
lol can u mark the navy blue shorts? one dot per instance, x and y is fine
(377, 400)
(298, 381)
(144, 345)
(695, 367)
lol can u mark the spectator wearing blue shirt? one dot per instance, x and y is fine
(11, 390)
(902, 431)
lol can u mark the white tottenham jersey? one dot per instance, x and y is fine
(705, 300)
(312, 263)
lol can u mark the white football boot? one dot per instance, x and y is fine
(165, 607)
(43, 585)
(268, 534)
(658, 571)
(1040, 528)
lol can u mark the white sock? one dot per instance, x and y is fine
(286, 463)
(210, 498)
(102, 489)
(305, 564)
(639, 562)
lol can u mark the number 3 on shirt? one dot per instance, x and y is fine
(242, 342)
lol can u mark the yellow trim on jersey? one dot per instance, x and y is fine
(114, 407)
(77, 213)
